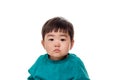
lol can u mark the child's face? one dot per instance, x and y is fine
(57, 44)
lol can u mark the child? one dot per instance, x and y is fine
(58, 63)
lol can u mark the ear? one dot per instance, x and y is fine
(72, 43)
(42, 42)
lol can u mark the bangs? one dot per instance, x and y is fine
(56, 26)
(57, 29)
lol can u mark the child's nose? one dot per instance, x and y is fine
(57, 44)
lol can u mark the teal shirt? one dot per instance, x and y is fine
(69, 68)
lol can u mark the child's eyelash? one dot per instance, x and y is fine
(53, 39)
(50, 39)
(63, 39)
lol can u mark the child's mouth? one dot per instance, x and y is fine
(56, 50)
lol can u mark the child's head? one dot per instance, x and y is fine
(58, 24)
(57, 34)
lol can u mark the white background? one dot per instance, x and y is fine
(97, 35)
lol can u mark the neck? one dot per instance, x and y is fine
(57, 58)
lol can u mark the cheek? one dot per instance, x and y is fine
(66, 46)
(48, 46)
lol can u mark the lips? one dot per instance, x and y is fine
(56, 50)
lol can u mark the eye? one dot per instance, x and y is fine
(63, 39)
(50, 39)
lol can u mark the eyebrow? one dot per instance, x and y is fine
(62, 35)
(50, 35)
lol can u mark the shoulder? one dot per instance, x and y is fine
(41, 57)
(75, 61)
(80, 68)
(37, 63)
(78, 63)
(74, 58)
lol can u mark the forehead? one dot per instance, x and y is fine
(53, 33)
